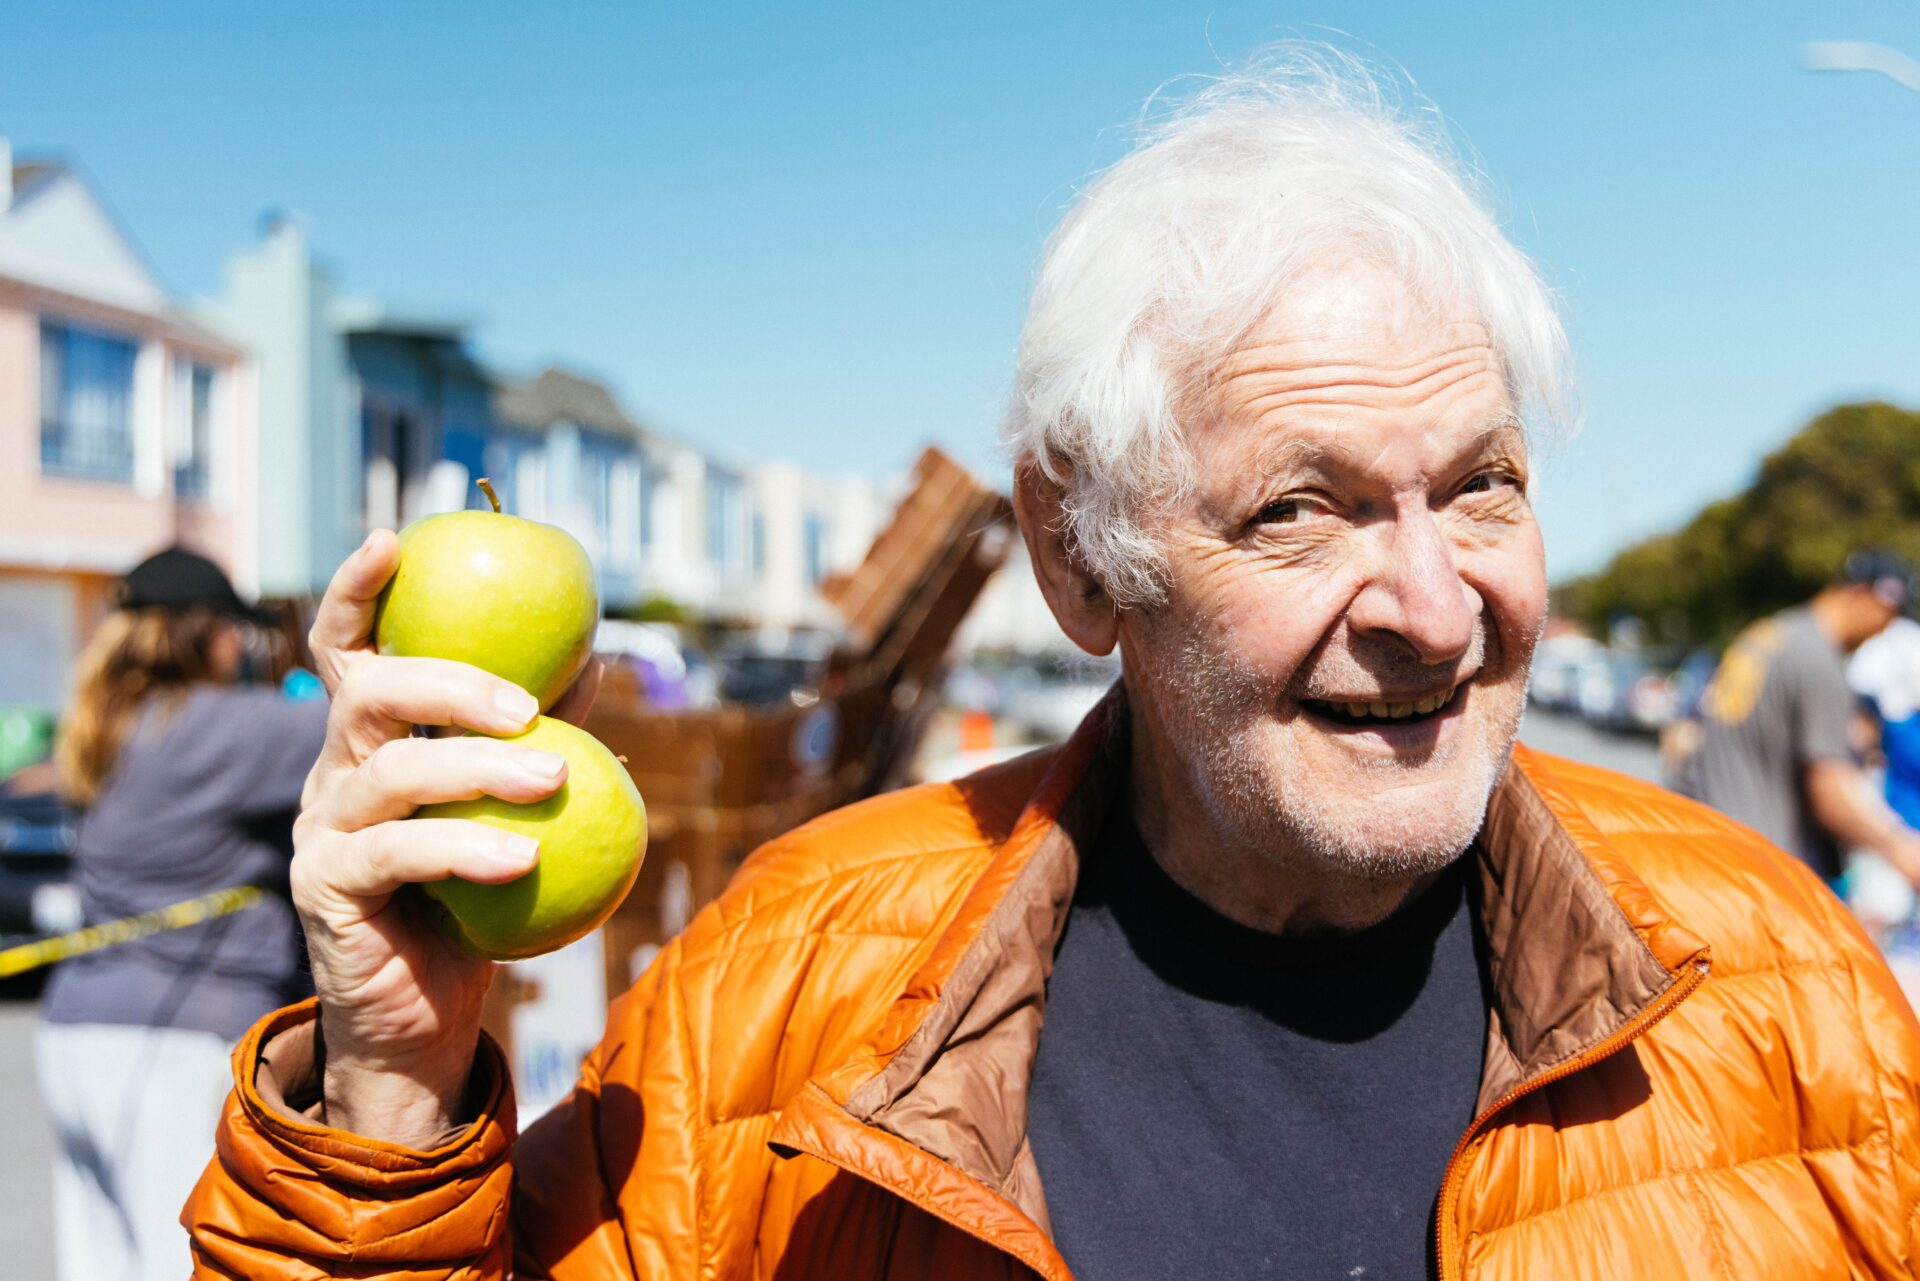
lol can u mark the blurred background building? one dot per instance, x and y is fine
(380, 414)
(126, 423)
(272, 426)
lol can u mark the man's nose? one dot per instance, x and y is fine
(1415, 594)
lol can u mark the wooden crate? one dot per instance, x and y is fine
(720, 782)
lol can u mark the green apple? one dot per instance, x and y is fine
(511, 596)
(592, 834)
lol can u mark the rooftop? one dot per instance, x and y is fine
(558, 395)
(28, 174)
(368, 316)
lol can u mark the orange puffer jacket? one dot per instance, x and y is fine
(1696, 1066)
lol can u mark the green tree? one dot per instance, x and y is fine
(1849, 479)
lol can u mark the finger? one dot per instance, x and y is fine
(578, 700)
(344, 620)
(379, 860)
(407, 773)
(382, 699)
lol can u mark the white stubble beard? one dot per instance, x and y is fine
(1265, 794)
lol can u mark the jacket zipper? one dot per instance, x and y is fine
(1449, 1182)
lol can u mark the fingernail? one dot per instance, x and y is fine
(513, 853)
(516, 706)
(542, 767)
(366, 542)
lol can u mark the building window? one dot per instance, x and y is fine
(530, 481)
(86, 403)
(512, 466)
(465, 446)
(407, 456)
(724, 549)
(393, 465)
(193, 430)
(597, 456)
(814, 535)
(623, 545)
(650, 481)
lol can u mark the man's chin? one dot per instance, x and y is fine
(1389, 820)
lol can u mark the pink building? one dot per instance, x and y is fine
(125, 425)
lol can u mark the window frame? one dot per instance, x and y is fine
(59, 456)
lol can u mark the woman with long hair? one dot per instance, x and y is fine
(187, 781)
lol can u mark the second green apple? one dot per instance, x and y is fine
(592, 834)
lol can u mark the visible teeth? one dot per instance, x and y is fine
(1394, 711)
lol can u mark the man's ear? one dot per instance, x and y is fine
(1079, 603)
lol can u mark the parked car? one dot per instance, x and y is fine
(1635, 690)
(763, 669)
(1050, 694)
(1559, 664)
(37, 895)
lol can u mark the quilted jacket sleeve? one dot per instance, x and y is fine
(1892, 1035)
(287, 1197)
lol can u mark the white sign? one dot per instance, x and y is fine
(556, 1030)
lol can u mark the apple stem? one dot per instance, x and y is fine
(493, 498)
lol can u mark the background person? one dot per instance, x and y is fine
(1885, 673)
(187, 783)
(1776, 747)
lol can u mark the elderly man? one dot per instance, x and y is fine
(1289, 963)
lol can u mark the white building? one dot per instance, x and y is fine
(806, 527)
(1011, 615)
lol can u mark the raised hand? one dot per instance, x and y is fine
(400, 1004)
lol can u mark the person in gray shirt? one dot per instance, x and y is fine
(1776, 748)
(187, 783)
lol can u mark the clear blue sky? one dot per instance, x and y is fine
(806, 231)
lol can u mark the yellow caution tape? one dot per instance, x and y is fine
(174, 916)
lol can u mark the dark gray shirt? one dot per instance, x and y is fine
(1778, 703)
(1212, 1101)
(200, 799)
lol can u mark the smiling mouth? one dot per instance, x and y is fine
(1376, 712)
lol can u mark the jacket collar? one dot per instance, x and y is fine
(934, 1105)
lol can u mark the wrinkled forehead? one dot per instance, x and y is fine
(1354, 365)
(1355, 313)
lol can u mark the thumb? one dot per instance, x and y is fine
(344, 621)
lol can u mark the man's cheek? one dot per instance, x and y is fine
(1280, 624)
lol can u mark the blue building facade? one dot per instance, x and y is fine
(373, 417)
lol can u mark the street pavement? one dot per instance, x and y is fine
(1571, 737)
(26, 1214)
(26, 1200)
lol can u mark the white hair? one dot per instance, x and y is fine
(1175, 252)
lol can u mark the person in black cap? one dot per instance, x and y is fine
(1776, 749)
(187, 781)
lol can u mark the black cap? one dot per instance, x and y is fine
(1887, 573)
(179, 579)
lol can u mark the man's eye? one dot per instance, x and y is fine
(1282, 511)
(1487, 481)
